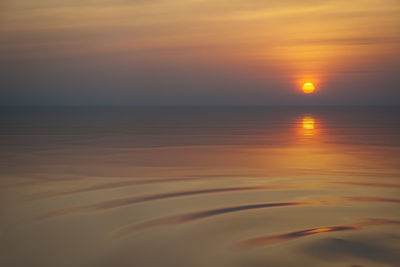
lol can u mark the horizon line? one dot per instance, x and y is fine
(192, 106)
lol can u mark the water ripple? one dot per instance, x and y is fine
(368, 184)
(182, 218)
(276, 238)
(121, 202)
(374, 199)
(119, 184)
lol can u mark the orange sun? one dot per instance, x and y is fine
(308, 88)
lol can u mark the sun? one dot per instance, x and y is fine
(308, 88)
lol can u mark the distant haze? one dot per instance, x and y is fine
(209, 52)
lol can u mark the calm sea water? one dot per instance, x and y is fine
(199, 187)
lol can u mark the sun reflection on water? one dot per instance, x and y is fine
(308, 125)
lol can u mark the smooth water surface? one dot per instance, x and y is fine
(200, 186)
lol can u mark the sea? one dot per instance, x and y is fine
(199, 186)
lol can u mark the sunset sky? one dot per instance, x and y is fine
(199, 52)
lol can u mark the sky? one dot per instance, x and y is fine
(199, 52)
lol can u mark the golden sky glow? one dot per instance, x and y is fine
(273, 44)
